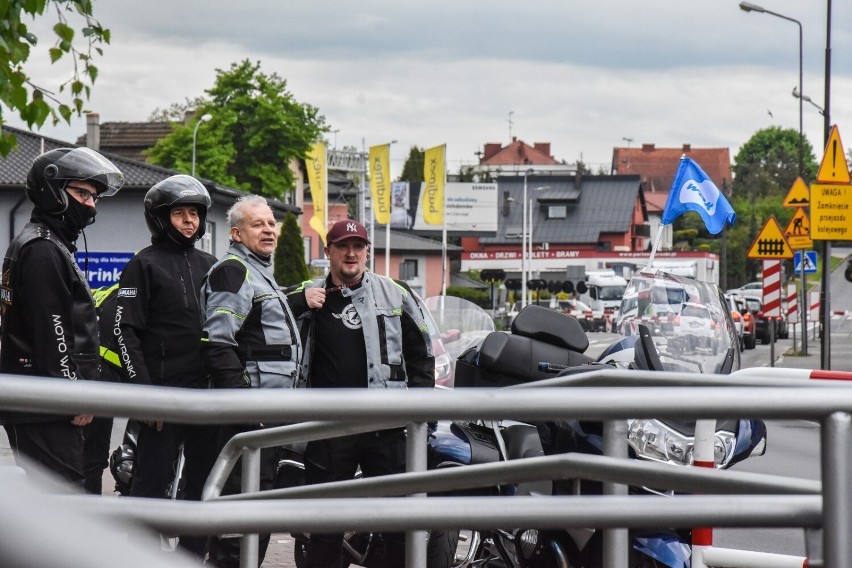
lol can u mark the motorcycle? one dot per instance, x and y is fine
(658, 335)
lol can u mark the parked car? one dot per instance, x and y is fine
(581, 311)
(750, 290)
(761, 326)
(736, 316)
(749, 324)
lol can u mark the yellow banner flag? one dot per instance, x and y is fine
(315, 164)
(432, 197)
(380, 182)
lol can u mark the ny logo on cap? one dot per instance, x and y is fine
(351, 227)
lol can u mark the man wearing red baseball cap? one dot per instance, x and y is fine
(362, 330)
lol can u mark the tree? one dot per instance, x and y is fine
(290, 267)
(257, 129)
(769, 162)
(412, 170)
(177, 112)
(35, 103)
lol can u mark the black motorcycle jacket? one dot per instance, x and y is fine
(157, 319)
(49, 325)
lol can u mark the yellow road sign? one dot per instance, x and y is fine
(799, 195)
(770, 243)
(833, 168)
(798, 232)
(831, 211)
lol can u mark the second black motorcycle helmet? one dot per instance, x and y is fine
(172, 192)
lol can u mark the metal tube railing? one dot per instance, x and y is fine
(358, 409)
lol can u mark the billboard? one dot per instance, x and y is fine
(470, 208)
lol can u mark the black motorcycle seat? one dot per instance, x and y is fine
(506, 359)
(551, 327)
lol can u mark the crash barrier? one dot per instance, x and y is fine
(728, 498)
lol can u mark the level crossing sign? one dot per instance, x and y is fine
(770, 243)
(805, 259)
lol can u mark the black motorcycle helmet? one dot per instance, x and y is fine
(169, 193)
(52, 171)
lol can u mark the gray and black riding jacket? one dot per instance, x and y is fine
(398, 346)
(249, 336)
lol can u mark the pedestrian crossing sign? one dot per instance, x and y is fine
(805, 259)
(770, 243)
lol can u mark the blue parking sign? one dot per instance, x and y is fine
(809, 259)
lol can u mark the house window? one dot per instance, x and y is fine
(557, 211)
(605, 246)
(308, 251)
(408, 269)
(206, 242)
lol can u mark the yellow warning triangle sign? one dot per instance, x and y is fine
(833, 168)
(798, 232)
(799, 195)
(770, 243)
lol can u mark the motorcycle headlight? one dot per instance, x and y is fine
(723, 447)
(653, 440)
(443, 365)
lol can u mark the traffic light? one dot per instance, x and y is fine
(513, 284)
(492, 275)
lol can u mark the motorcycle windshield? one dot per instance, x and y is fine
(690, 328)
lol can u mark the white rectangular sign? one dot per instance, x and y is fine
(469, 208)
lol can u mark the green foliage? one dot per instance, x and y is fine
(768, 163)
(290, 267)
(257, 129)
(479, 297)
(177, 112)
(412, 170)
(35, 103)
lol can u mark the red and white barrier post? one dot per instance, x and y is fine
(703, 455)
(771, 300)
(793, 312)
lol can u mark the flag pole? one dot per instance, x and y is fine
(654, 248)
(444, 230)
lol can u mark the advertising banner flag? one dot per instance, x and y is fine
(380, 182)
(432, 198)
(693, 190)
(317, 176)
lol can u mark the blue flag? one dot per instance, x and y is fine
(693, 190)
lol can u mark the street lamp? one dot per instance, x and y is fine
(204, 118)
(807, 99)
(524, 243)
(749, 7)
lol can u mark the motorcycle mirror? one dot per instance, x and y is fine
(567, 286)
(645, 353)
(581, 287)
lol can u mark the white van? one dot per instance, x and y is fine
(604, 290)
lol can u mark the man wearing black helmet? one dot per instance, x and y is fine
(49, 322)
(157, 325)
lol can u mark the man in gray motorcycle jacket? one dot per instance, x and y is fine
(361, 330)
(248, 337)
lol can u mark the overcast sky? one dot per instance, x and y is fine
(584, 76)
